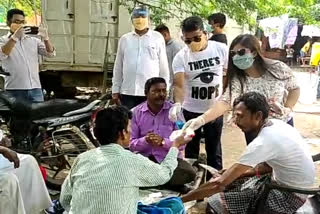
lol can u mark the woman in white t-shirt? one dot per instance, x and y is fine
(249, 71)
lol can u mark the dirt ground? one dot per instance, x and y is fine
(307, 121)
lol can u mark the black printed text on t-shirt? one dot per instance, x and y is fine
(205, 77)
(205, 63)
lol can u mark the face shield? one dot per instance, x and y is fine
(140, 18)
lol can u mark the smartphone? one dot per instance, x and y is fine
(34, 30)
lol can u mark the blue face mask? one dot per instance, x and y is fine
(243, 62)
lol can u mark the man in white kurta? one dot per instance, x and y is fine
(22, 189)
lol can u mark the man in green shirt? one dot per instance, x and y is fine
(107, 179)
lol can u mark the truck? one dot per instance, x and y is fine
(85, 34)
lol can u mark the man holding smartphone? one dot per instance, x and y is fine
(19, 56)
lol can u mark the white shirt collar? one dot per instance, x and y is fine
(146, 34)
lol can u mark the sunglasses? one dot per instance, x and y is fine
(194, 39)
(239, 52)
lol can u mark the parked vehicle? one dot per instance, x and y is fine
(85, 35)
(55, 132)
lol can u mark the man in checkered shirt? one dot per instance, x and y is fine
(106, 180)
(277, 154)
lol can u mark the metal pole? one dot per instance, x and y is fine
(105, 66)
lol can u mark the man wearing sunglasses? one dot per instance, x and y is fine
(141, 55)
(198, 83)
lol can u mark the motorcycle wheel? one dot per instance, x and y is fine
(59, 152)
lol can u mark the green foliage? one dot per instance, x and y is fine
(26, 5)
(243, 11)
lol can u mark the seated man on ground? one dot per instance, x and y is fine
(151, 128)
(107, 179)
(277, 154)
(22, 188)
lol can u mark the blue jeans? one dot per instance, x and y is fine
(32, 95)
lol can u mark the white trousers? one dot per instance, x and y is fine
(34, 193)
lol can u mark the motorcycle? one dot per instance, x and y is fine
(55, 132)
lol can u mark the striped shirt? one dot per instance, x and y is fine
(106, 180)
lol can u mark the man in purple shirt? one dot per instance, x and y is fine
(151, 128)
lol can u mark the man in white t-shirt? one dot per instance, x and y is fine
(198, 73)
(277, 154)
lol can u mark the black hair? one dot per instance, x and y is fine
(217, 18)
(162, 28)
(153, 81)
(109, 122)
(252, 43)
(254, 102)
(12, 12)
(192, 23)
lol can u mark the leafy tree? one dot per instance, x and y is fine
(27, 6)
(244, 12)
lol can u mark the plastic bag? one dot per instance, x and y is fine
(188, 136)
(181, 121)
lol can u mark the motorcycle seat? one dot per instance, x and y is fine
(85, 109)
(33, 111)
(54, 108)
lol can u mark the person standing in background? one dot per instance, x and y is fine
(290, 52)
(141, 55)
(217, 22)
(172, 48)
(19, 56)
